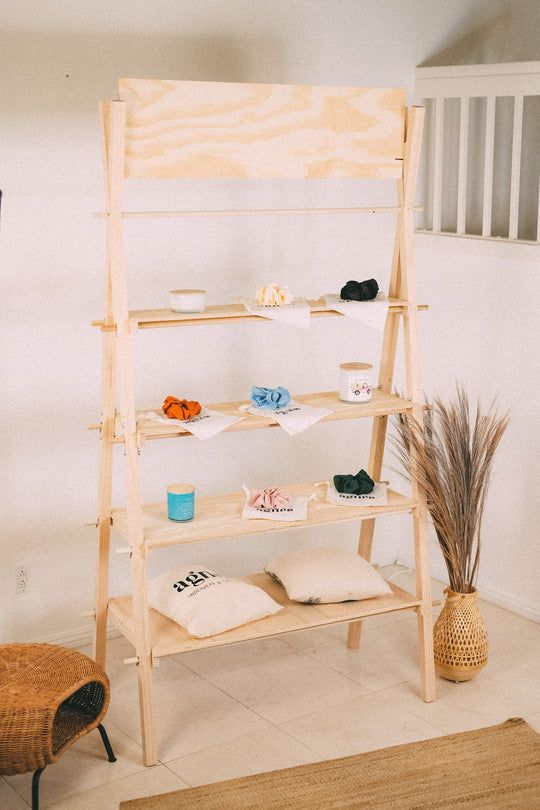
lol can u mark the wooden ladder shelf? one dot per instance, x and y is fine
(353, 132)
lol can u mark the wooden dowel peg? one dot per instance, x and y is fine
(254, 212)
(124, 550)
(134, 660)
(88, 614)
(91, 523)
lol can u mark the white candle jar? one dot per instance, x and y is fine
(188, 300)
(355, 382)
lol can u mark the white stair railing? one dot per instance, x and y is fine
(482, 152)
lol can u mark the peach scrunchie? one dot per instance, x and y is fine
(183, 409)
(270, 498)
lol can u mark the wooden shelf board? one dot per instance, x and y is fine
(220, 517)
(223, 313)
(168, 638)
(380, 405)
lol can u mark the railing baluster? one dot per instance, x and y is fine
(516, 167)
(488, 165)
(521, 82)
(437, 164)
(462, 168)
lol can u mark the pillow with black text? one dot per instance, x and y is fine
(205, 603)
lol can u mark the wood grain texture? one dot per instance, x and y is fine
(114, 115)
(232, 130)
(220, 517)
(379, 405)
(224, 313)
(168, 638)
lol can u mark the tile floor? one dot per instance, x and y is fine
(285, 701)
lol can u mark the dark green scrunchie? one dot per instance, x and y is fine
(359, 484)
(360, 290)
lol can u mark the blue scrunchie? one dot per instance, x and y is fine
(270, 398)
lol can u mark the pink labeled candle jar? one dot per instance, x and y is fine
(355, 382)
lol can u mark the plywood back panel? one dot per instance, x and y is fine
(223, 130)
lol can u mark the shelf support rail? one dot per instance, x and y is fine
(258, 212)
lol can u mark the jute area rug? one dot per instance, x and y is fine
(496, 768)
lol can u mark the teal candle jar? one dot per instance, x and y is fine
(180, 502)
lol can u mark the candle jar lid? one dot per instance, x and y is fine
(181, 489)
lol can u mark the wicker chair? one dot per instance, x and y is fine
(49, 697)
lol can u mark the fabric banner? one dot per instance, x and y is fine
(294, 418)
(371, 313)
(296, 511)
(378, 497)
(206, 424)
(295, 314)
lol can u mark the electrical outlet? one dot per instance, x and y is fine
(22, 578)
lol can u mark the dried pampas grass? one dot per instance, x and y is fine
(451, 457)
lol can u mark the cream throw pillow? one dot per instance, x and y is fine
(321, 575)
(205, 603)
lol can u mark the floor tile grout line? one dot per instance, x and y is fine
(300, 653)
(16, 792)
(235, 740)
(140, 769)
(406, 711)
(441, 701)
(242, 666)
(110, 782)
(313, 656)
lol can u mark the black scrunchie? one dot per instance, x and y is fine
(359, 484)
(360, 290)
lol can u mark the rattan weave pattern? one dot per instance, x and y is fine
(460, 637)
(49, 697)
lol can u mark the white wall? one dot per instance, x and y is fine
(482, 329)
(511, 35)
(57, 61)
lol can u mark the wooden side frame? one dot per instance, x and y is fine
(114, 126)
(403, 285)
(117, 376)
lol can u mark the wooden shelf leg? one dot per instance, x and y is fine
(415, 122)
(104, 497)
(144, 655)
(425, 613)
(380, 424)
(114, 127)
(364, 549)
(146, 706)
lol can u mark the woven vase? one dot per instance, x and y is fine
(460, 637)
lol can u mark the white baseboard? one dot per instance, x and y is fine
(496, 596)
(76, 638)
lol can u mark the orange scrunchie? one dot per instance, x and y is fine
(175, 408)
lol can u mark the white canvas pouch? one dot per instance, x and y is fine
(372, 313)
(296, 511)
(205, 603)
(297, 313)
(378, 497)
(204, 425)
(293, 418)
